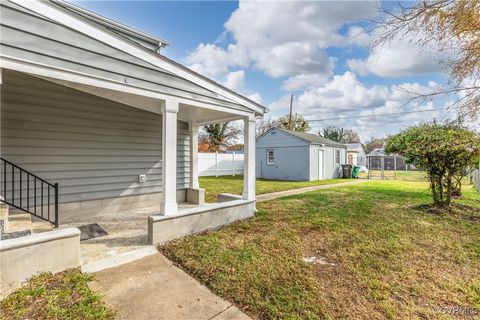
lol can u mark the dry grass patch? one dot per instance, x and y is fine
(64, 295)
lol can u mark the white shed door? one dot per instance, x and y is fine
(320, 164)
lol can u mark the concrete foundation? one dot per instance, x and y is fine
(52, 251)
(189, 221)
(93, 210)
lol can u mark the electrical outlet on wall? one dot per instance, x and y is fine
(142, 178)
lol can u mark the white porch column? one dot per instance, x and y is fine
(169, 158)
(249, 158)
(193, 156)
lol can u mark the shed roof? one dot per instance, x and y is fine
(312, 138)
(380, 152)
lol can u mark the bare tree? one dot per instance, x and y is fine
(453, 29)
(296, 123)
(375, 143)
(263, 125)
(351, 136)
(218, 136)
(339, 134)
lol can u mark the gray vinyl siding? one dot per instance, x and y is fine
(291, 157)
(93, 147)
(330, 169)
(28, 36)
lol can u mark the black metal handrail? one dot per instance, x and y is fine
(28, 192)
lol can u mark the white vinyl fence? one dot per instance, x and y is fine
(219, 164)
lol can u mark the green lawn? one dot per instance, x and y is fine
(380, 255)
(64, 295)
(234, 184)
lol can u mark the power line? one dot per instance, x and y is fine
(379, 114)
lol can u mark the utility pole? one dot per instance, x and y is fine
(290, 116)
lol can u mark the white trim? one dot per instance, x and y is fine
(193, 128)
(202, 122)
(267, 154)
(138, 51)
(169, 158)
(249, 158)
(43, 70)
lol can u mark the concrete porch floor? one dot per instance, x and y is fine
(127, 231)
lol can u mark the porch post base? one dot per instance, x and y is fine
(168, 209)
(195, 196)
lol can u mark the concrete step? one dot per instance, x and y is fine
(19, 222)
(41, 226)
(4, 210)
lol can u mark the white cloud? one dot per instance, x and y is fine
(398, 58)
(284, 39)
(255, 97)
(235, 80)
(343, 92)
(213, 61)
(303, 81)
(358, 36)
(344, 96)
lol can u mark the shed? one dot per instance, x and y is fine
(290, 155)
(356, 154)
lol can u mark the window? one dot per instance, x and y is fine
(270, 157)
(337, 156)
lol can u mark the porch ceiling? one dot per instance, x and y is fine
(187, 112)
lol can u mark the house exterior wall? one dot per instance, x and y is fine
(94, 148)
(31, 37)
(330, 169)
(292, 157)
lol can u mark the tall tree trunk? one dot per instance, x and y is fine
(434, 190)
(441, 194)
(448, 199)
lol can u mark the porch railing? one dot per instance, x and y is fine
(26, 191)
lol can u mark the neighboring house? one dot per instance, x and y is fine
(377, 159)
(356, 154)
(291, 155)
(92, 105)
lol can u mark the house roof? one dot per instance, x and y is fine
(154, 43)
(135, 43)
(380, 152)
(312, 138)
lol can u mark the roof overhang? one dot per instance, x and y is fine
(88, 27)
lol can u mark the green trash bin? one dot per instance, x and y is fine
(347, 171)
(356, 170)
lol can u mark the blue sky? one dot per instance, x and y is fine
(319, 51)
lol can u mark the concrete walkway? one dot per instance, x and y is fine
(154, 288)
(280, 194)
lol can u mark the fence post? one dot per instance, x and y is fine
(395, 165)
(382, 164)
(233, 163)
(216, 163)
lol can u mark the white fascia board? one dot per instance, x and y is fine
(43, 70)
(157, 60)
